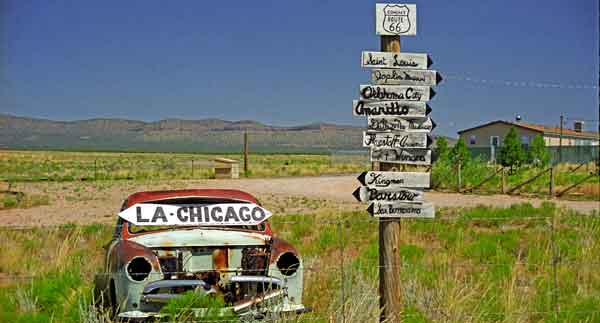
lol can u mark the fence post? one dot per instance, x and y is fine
(458, 177)
(192, 168)
(503, 180)
(555, 260)
(551, 190)
(95, 171)
(342, 278)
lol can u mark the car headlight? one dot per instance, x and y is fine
(139, 268)
(288, 263)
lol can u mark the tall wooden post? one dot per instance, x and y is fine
(245, 153)
(390, 289)
(551, 188)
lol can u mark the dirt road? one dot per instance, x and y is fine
(90, 202)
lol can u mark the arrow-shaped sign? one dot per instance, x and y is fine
(405, 77)
(367, 194)
(396, 92)
(378, 179)
(396, 140)
(395, 60)
(401, 210)
(392, 123)
(406, 109)
(402, 156)
(197, 214)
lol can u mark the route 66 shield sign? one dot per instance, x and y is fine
(396, 19)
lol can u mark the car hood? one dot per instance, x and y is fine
(200, 238)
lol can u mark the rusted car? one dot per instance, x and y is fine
(247, 265)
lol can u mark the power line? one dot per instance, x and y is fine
(531, 84)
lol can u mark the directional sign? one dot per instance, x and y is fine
(197, 214)
(396, 140)
(390, 108)
(405, 77)
(391, 123)
(367, 194)
(396, 19)
(395, 60)
(402, 156)
(396, 92)
(394, 179)
(401, 210)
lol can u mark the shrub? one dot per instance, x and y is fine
(512, 154)
(538, 154)
(460, 153)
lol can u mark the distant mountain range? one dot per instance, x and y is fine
(174, 135)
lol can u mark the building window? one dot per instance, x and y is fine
(494, 141)
(472, 139)
(525, 140)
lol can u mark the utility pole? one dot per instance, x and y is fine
(560, 139)
(246, 153)
(390, 286)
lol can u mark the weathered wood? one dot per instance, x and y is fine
(551, 187)
(415, 61)
(458, 177)
(534, 177)
(367, 194)
(485, 180)
(401, 210)
(396, 92)
(561, 193)
(503, 180)
(402, 156)
(406, 109)
(396, 140)
(396, 19)
(245, 153)
(375, 179)
(392, 123)
(405, 77)
(390, 285)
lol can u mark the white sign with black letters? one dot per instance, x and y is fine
(367, 194)
(406, 109)
(402, 156)
(401, 210)
(405, 77)
(396, 140)
(415, 61)
(204, 215)
(396, 19)
(391, 123)
(396, 92)
(380, 179)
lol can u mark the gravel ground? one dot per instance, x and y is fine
(92, 202)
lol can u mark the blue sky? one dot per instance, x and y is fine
(290, 62)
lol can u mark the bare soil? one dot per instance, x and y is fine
(99, 202)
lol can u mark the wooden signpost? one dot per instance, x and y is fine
(390, 108)
(401, 210)
(375, 179)
(406, 140)
(391, 123)
(396, 92)
(367, 194)
(397, 134)
(405, 77)
(396, 60)
(421, 157)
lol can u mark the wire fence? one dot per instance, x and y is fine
(462, 266)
